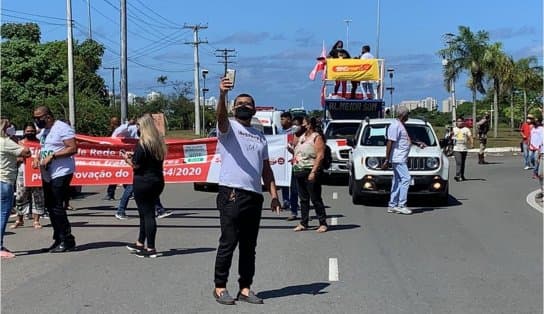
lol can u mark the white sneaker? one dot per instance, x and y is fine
(403, 210)
(391, 210)
(526, 168)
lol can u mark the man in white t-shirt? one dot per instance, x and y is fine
(462, 141)
(244, 162)
(396, 156)
(57, 165)
(367, 87)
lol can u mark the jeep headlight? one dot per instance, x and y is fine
(373, 162)
(432, 163)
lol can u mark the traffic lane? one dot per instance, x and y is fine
(473, 256)
(292, 268)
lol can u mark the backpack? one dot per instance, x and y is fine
(327, 159)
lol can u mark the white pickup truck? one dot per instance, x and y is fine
(337, 133)
(429, 167)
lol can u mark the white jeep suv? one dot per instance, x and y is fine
(429, 167)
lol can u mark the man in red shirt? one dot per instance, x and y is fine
(525, 132)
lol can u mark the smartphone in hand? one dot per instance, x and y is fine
(231, 75)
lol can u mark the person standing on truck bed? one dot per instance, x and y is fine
(368, 90)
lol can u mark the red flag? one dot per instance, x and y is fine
(320, 65)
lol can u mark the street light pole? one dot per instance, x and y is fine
(391, 89)
(378, 32)
(446, 61)
(347, 32)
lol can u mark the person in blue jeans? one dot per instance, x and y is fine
(9, 151)
(396, 157)
(123, 203)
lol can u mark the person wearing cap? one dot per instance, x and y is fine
(525, 132)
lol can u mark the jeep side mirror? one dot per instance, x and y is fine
(442, 143)
(350, 142)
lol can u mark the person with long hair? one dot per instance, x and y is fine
(9, 151)
(148, 183)
(28, 199)
(309, 153)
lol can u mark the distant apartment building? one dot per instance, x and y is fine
(428, 103)
(446, 104)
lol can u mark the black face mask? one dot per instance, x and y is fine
(30, 136)
(243, 113)
(40, 123)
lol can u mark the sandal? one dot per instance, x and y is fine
(299, 227)
(37, 225)
(322, 229)
(17, 224)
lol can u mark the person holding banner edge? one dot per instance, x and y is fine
(57, 166)
(244, 161)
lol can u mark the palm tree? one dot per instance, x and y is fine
(496, 65)
(467, 50)
(528, 77)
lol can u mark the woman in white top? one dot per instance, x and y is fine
(462, 140)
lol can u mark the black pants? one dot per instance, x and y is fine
(460, 160)
(56, 193)
(310, 191)
(240, 215)
(146, 193)
(111, 190)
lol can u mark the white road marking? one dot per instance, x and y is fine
(333, 269)
(334, 195)
(334, 221)
(531, 201)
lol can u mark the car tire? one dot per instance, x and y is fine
(356, 197)
(350, 185)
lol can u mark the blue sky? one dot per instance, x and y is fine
(276, 42)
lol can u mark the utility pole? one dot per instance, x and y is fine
(71, 93)
(195, 44)
(89, 18)
(124, 91)
(112, 84)
(224, 53)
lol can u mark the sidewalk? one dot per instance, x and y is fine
(497, 150)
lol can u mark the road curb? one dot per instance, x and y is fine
(531, 200)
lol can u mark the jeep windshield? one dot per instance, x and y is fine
(376, 134)
(341, 130)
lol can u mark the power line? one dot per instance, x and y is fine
(32, 20)
(152, 11)
(37, 15)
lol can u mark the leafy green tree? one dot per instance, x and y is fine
(36, 74)
(467, 50)
(496, 65)
(528, 77)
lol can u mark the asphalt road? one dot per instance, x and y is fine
(480, 254)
